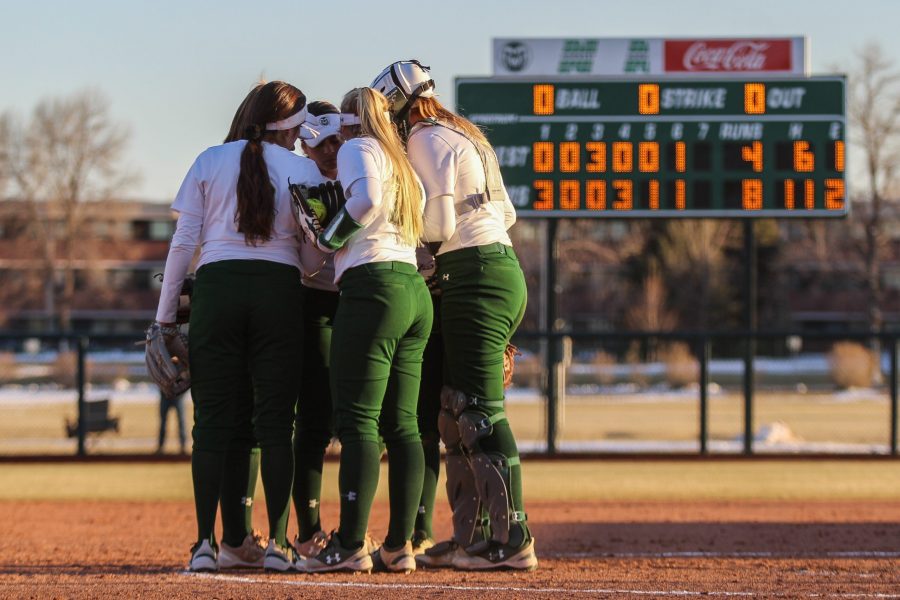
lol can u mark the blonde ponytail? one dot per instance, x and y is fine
(406, 214)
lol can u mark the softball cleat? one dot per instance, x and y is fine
(401, 560)
(500, 557)
(279, 559)
(335, 557)
(203, 557)
(249, 555)
(440, 556)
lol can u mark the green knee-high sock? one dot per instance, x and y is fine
(503, 441)
(307, 488)
(277, 467)
(431, 448)
(406, 466)
(207, 469)
(238, 485)
(358, 480)
(252, 476)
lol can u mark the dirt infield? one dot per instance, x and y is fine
(587, 550)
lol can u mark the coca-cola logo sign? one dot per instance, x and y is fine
(763, 56)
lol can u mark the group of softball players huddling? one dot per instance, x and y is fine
(380, 318)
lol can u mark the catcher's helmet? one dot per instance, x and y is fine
(402, 83)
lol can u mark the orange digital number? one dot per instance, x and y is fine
(809, 194)
(543, 99)
(754, 98)
(804, 159)
(680, 157)
(542, 153)
(839, 156)
(569, 194)
(653, 192)
(751, 194)
(622, 157)
(595, 194)
(789, 199)
(544, 189)
(648, 99)
(679, 194)
(648, 157)
(753, 154)
(569, 157)
(834, 194)
(624, 194)
(597, 157)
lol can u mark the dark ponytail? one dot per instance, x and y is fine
(255, 212)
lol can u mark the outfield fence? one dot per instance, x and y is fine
(713, 393)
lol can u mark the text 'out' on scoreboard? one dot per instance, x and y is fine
(710, 148)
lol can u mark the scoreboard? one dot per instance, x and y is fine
(667, 148)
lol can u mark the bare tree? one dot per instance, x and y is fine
(873, 105)
(693, 256)
(68, 154)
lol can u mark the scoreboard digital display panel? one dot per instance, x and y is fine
(666, 148)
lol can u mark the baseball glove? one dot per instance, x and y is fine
(509, 364)
(316, 206)
(166, 354)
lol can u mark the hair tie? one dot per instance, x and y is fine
(253, 132)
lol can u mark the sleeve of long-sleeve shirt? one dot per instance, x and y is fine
(189, 204)
(436, 164)
(360, 174)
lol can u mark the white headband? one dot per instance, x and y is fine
(351, 119)
(292, 121)
(317, 128)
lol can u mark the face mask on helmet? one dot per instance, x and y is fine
(402, 83)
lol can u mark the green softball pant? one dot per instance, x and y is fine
(382, 325)
(246, 320)
(314, 428)
(429, 407)
(482, 303)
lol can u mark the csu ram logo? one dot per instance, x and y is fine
(515, 56)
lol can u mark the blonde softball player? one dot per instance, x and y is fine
(380, 331)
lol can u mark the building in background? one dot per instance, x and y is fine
(120, 248)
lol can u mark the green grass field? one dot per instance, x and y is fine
(793, 480)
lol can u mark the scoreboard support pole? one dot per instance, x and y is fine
(553, 352)
(750, 291)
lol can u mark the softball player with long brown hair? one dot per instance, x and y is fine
(235, 205)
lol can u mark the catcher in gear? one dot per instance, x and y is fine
(246, 318)
(483, 295)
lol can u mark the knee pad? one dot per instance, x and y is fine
(475, 426)
(454, 401)
(449, 429)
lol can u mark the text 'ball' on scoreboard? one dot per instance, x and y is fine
(673, 148)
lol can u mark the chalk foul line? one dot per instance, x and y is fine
(516, 589)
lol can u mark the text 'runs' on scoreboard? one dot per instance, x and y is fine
(709, 148)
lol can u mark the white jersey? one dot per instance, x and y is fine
(317, 266)
(378, 241)
(207, 207)
(449, 165)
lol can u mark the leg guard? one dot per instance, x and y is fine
(468, 525)
(491, 471)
